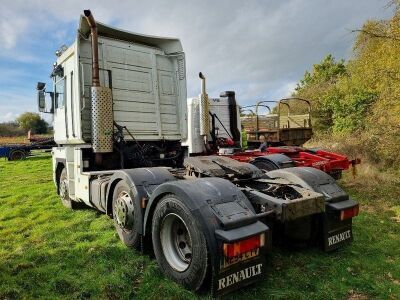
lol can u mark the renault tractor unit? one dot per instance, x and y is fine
(120, 116)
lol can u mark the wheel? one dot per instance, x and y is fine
(17, 154)
(126, 215)
(179, 244)
(264, 165)
(64, 191)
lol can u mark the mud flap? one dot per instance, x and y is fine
(239, 275)
(235, 272)
(336, 233)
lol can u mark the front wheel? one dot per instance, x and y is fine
(126, 215)
(64, 191)
(179, 245)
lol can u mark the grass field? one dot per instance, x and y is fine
(47, 251)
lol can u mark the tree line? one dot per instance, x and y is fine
(25, 122)
(359, 99)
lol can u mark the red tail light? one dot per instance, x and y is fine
(349, 213)
(238, 248)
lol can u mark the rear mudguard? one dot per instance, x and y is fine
(326, 226)
(312, 179)
(142, 181)
(279, 161)
(225, 215)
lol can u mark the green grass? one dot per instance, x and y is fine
(47, 251)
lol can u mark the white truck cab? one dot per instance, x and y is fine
(147, 77)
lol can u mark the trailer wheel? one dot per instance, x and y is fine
(64, 191)
(17, 154)
(125, 215)
(179, 245)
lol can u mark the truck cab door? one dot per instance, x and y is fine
(60, 125)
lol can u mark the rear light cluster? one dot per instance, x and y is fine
(243, 246)
(349, 213)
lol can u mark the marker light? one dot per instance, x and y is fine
(243, 246)
(349, 213)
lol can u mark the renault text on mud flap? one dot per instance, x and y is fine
(239, 276)
(339, 237)
(229, 261)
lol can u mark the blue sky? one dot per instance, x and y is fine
(260, 49)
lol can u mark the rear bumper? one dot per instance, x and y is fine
(325, 230)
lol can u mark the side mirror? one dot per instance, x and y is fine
(41, 96)
(41, 101)
(40, 86)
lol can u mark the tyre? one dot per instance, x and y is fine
(17, 154)
(264, 165)
(179, 244)
(126, 214)
(64, 191)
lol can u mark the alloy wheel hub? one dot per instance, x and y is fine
(124, 212)
(176, 242)
(64, 189)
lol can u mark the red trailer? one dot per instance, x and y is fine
(289, 156)
(278, 134)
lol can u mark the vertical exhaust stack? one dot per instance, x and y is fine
(233, 113)
(204, 110)
(102, 105)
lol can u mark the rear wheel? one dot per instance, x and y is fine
(179, 245)
(64, 191)
(126, 215)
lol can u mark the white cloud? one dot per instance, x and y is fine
(257, 48)
(286, 90)
(12, 27)
(7, 117)
(15, 102)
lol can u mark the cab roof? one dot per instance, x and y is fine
(167, 44)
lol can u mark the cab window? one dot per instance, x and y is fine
(59, 93)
